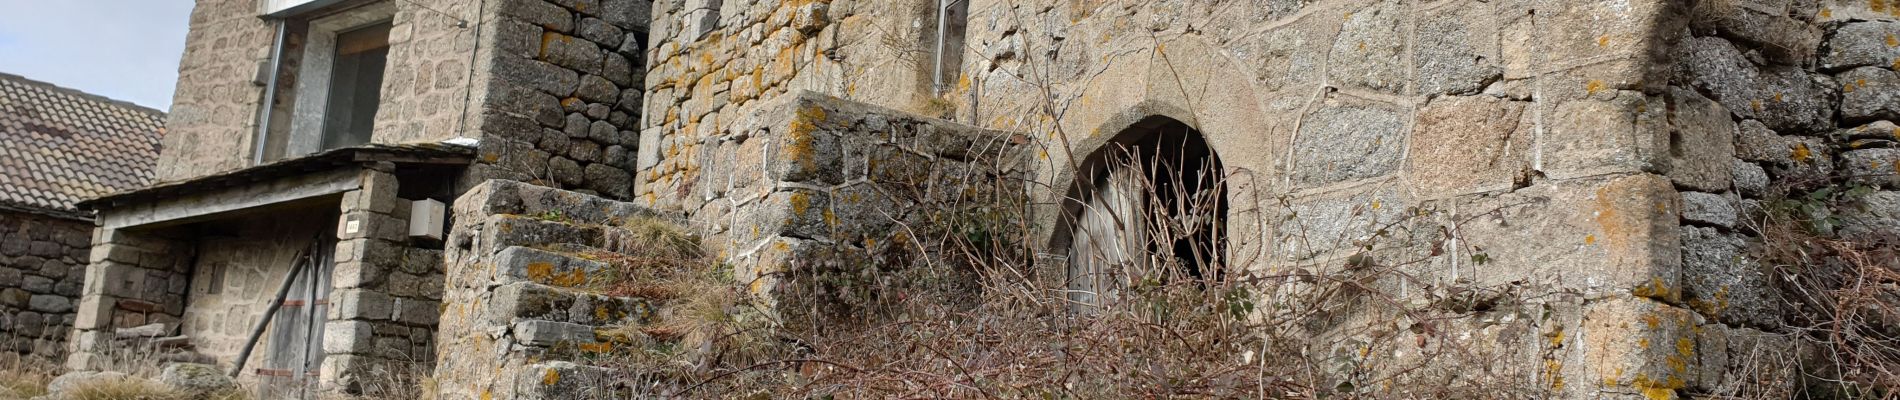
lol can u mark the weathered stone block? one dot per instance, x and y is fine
(1326, 224)
(1624, 134)
(1782, 98)
(1750, 180)
(524, 263)
(1862, 44)
(1341, 142)
(1457, 50)
(596, 89)
(551, 333)
(542, 13)
(540, 75)
(1708, 208)
(1772, 26)
(609, 181)
(417, 312)
(628, 14)
(1869, 93)
(361, 304)
(1701, 142)
(1467, 144)
(1722, 282)
(1369, 52)
(1878, 213)
(1597, 237)
(1630, 345)
(1872, 166)
(348, 337)
(565, 380)
(571, 52)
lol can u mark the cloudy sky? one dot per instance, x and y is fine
(123, 49)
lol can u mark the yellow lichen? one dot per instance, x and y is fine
(1593, 86)
(800, 202)
(552, 377)
(1603, 41)
(1800, 153)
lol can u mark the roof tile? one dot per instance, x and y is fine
(63, 146)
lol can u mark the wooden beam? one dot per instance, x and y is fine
(199, 206)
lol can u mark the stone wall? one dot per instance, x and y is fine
(235, 275)
(42, 268)
(541, 82)
(214, 111)
(132, 279)
(1333, 118)
(1787, 100)
(524, 316)
(715, 62)
(556, 87)
(386, 291)
(811, 190)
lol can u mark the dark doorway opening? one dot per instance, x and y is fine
(1149, 206)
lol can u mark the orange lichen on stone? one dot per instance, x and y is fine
(1593, 86)
(551, 378)
(800, 202)
(1800, 153)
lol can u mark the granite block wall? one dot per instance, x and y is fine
(42, 268)
(557, 95)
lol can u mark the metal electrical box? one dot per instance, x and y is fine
(426, 219)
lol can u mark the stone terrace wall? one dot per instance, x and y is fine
(558, 91)
(809, 185)
(520, 320)
(42, 268)
(714, 62)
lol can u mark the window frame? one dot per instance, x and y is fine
(306, 135)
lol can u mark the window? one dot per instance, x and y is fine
(356, 82)
(339, 86)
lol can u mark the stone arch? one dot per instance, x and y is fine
(1150, 202)
(1165, 82)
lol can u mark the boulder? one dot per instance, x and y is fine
(196, 380)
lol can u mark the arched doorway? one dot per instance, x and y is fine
(1147, 206)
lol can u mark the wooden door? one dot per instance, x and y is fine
(1110, 240)
(293, 358)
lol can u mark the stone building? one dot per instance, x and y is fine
(58, 146)
(1607, 158)
(1602, 158)
(313, 148)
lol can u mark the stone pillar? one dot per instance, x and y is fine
(385, 294)
(134, 278)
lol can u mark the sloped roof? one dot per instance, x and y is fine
(443, 153)
(59, 146)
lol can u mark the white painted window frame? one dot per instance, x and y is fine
(313, 82)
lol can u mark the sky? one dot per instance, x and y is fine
(122, 49)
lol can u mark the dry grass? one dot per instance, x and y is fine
(25, 377)
(1845, 290)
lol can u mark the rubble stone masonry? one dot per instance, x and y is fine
(42, 267)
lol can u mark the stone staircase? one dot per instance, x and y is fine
(525, 315)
